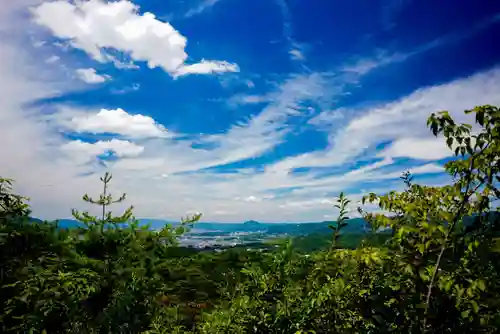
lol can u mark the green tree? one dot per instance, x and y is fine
(443, 255)
(11, 205)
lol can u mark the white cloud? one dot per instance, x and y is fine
(132, 88)
(11, 13)
(296, 54)
(362, 66)
(245, 140)
(52, 59)
(405, 118)
(90, 76)
(31, 156)
(252, 199)
(221, 212)
(94, 25)
(207, 67)
(327, 118)
(84, 151)
(419, 148)
(427, 168)
(117, 121)
(381, 58)
(38, 44)
(202, 6)
(142, 170)
(242, 99)
(296, 50)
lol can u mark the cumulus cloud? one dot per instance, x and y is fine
(94, 25)
(84, 151)
(117, 121)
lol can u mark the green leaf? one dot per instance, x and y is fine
(475, 306)
(480, 117)
(449, 142)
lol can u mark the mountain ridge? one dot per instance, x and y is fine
(354, 225)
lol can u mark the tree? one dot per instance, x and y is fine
(433, 241)
(11, 205)
(104, 201)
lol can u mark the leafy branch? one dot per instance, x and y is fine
(337, 226)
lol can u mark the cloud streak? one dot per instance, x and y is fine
(202, 6)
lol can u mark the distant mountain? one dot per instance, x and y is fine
(251, 222)
(251, 227)
(354, 225)
(210, 234)
(68, 223)
(157, 223)
(62, 223)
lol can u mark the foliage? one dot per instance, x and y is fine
(11, 205)
(435, 271)
(340, 223)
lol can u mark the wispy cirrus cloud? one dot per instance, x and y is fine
(397, 122)
(362, 65)
(202, 6)
(296, 50)
(359, 135)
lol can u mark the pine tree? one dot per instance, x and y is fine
(105, 200)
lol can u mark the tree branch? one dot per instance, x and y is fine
(450, 230)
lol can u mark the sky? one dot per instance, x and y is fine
(239, 110)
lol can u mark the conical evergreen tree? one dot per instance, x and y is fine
(105, 200)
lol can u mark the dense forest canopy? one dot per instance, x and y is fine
(438, 271)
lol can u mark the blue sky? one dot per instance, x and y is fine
(262, 109)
